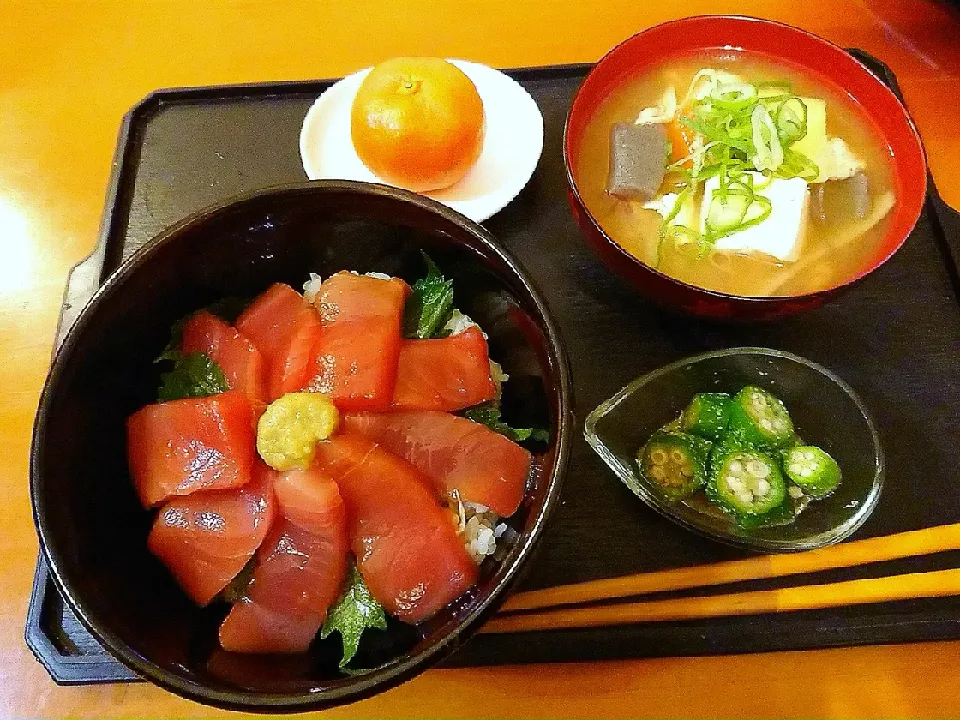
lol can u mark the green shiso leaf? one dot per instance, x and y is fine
(355, 611)
(489, 415)
(430, 305)
(194, 375)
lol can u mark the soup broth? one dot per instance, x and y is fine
(833, 247)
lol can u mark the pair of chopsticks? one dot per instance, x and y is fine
(557, 605)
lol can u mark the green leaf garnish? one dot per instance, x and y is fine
(194, 375)
(355, 611)
(489, 415)
(430, 305)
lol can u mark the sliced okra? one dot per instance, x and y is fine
(746, 483)
(812, 469)
(707, 415)
(676, 463)
(761, 418)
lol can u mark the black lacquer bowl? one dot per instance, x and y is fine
(92, 529)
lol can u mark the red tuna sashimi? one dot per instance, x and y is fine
(206, 538)
(355, 361)
(293, 370)
(408, 551)
(458, 454)
(300, 570)
(284, 328)
(269, 320)
(232, 352)
(181, 446)
(444, 374)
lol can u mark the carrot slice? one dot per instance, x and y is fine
(681, 140)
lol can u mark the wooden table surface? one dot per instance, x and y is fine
(68, 72)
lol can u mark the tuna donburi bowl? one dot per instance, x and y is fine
(118, 526)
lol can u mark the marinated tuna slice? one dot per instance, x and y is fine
(285, 329)
(310, 500)
(269, 320)
(638, 158)
(444, 374)
(181, 446)
(355, 360)
(291, 368)
(251, 627)
(300, 570)
(206, 538)
(232, 352)
(457, 454)
(407, 548)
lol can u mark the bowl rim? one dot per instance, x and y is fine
(760, 300)
(822, 539)
(397, 670)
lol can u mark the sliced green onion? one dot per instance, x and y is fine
(768, 152)
(758, 211)
(735, 209)
(767, 179)
(715, 133)
(790, 118)
(708, 77)
(774, 85)
(773, 100)
(665, 228)
(796, 164)
(727, 210)
(733, 97)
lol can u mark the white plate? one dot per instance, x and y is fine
(512, 142)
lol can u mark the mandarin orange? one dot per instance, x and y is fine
(417, 123)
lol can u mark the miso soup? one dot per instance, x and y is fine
(739, 174)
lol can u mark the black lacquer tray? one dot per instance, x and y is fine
(895, 338)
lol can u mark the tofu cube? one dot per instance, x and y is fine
(833, 157)
(778, 236)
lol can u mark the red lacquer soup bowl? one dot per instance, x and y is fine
(825, 62)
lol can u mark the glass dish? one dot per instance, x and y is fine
(825, 410)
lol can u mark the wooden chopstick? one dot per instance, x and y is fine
(859, 552)
(938, 583)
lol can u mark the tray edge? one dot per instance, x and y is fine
(87, 275)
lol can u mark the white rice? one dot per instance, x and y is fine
(480, 528)
(498, 376)
(311, 287)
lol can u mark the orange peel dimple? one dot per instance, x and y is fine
(409, 86)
